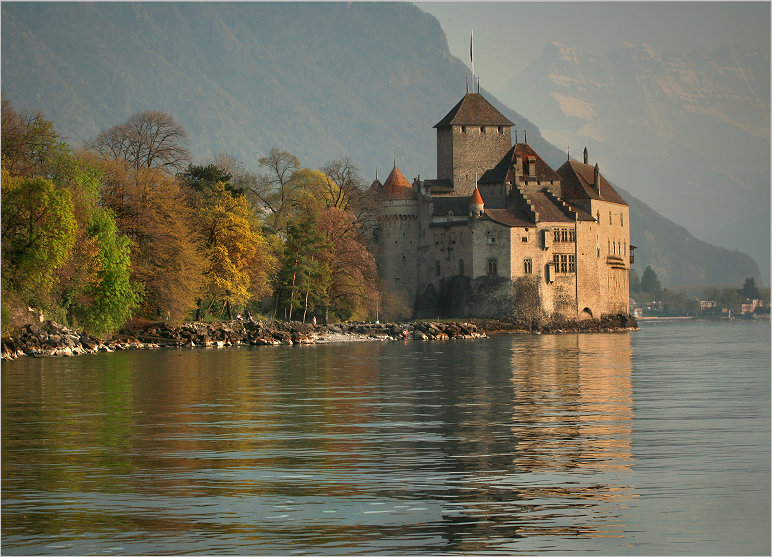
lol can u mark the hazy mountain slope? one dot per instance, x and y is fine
(689, 133)
(365, 80)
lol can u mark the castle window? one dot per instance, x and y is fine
(501, 129)
(625, 244)
(622, 219)
(598, 217)
(609, 218)
(482, 129)
(463, 129)
(491, 239)
(525, 238)
(461, 267)
(527, 266)
(437, 268)
(564, 263)
(493, 266)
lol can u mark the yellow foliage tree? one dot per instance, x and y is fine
(240, 260)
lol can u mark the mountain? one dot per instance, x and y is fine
(688, 132)
(321, 80)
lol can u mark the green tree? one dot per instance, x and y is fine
(304, 277)
(167, 252)
(635, 282)
(650, 282)
(38, 232)
(749, 291)
(106, 301)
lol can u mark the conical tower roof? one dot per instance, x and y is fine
(474, 110)
(396, 187)
(476, 198)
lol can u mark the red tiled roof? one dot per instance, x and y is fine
(396, 187)
(476, 198)
(475, 110)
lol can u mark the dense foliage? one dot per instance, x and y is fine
(121, 230)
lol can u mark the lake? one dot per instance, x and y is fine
(643, 443)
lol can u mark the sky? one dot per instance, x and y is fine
(509, 35)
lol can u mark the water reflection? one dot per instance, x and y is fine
(499, 445)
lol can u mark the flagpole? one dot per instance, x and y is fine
(471, 56)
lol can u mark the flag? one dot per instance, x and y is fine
(471, 56)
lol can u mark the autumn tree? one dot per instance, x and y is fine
(152, 209)
(240, 263)
(354, 281)
(150, 139)
(29, 142)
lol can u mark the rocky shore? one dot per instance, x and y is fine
(49, 338)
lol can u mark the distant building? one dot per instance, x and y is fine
(751, 306)
(499, 230)
(707, 304)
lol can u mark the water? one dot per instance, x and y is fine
(653, 442)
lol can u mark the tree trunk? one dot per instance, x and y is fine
(305, 307)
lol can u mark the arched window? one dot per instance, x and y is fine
(493, 266)
(527, 266)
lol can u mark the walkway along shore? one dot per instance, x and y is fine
(52, 339)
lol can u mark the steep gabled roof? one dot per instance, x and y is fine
(576, 183)
(473, 110)
(505, 172)
(396, 187)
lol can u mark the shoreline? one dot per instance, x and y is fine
(50, 339)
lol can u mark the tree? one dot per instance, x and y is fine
(749, 291)
(108, 298)
(635, 282)
(38, 232)
(304, 277)
(152, 209)
(150, 139)
(29, 142)
(240, 262)
(277, 190)
(650, 282)
(354, 280)
(346, 190)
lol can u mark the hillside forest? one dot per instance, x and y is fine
(130, 227)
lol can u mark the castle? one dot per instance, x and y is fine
(499, 233)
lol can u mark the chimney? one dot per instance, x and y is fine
(531, 166)
(596, 179)
(585, 156)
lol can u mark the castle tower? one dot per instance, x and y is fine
(476, 205)
(471, 138)
(396, 235)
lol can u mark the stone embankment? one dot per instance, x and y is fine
(48, 338)
(51, 339)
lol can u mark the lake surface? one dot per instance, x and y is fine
(652, 442)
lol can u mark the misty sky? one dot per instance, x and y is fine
(509, 35)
